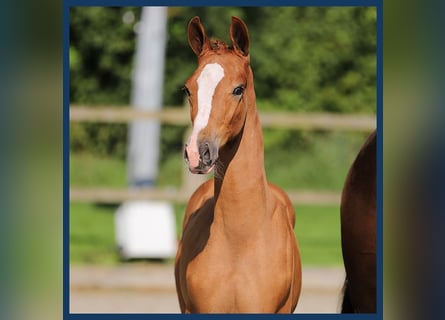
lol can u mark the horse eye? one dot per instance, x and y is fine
(186, 91)
(238, 91)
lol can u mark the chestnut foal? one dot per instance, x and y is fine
(238, 251)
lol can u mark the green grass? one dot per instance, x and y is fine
(323, 165)
(320, 166)
(92, 234)
(88, 170)
(171, 171)
(317, 229)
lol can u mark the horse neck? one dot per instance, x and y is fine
(241, 185)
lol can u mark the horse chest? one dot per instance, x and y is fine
(219, 282)
(225, 290)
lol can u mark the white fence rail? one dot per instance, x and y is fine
(180, 116)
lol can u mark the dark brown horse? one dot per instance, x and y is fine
(238, 252)
(358, 231)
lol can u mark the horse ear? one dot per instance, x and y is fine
(197, 37)
(239, 36)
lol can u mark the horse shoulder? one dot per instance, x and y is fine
(203, 193)
(284, 202)
(285, 216)
(195, 241)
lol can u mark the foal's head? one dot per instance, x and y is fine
(218, 93)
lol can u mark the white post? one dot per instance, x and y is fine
(148, 77)
(146, 229)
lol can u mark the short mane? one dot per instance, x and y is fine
(218, 45)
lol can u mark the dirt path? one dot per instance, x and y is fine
(150, 288)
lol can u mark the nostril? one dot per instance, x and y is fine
(205, 154)
(186, 156)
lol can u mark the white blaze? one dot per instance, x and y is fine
(207, 81)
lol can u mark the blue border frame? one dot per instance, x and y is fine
(66, 98)
(228, 3)
(66, 164)
(379, 87)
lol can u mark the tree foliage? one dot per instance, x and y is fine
(310, 59)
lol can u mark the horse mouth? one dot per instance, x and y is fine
(202, 168)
